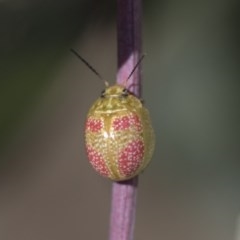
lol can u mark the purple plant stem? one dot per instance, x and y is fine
(124, 194)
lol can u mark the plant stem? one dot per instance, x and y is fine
(124, 194)
(129, 42)
(123, 209)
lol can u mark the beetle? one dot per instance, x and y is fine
(119, 136)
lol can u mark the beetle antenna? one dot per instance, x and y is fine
(135, 67)
(89, 66)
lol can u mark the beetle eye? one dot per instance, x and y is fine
(125, 92)
(103, 93)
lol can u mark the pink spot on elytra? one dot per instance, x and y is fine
(130, 157)
(94, 125)
(127, 121)
(121, 123)
(97, 161)
(134, 120)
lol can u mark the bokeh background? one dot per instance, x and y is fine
(190, 85)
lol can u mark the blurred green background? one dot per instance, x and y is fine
(190, 85)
